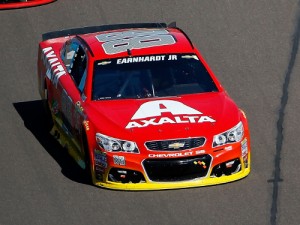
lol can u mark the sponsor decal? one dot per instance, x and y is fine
(228, 148)
(170, 155)
(104, 63)
(245, 159)
(199, 152)
(201, 163)
(244, 147)
(153, 58)
(86, 125)
(229, 164)
(54, 68)
(177, 154)
(77, 114)
(150, 113)
(117, 42)
(100, 159)
(79, 108)
(176, 145)
(119, 160)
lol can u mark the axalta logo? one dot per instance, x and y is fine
(152, 113)
(54, 68)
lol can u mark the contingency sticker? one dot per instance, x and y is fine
(119, 160)
(100, 159)
(100, 164)
(244, 148)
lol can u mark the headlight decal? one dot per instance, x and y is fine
(232, 135)
(111, 144)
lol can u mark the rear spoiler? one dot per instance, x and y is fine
(93, 29)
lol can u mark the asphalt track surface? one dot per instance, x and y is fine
(252, 46)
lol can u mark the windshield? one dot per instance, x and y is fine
(150, 76)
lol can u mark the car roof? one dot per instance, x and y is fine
(182, 43)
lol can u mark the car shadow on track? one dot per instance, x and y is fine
(34, 117)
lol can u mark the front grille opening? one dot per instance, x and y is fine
(169, 170)
(176, 144)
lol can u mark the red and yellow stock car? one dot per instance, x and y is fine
(138, 108)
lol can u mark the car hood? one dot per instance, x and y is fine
(165, 118)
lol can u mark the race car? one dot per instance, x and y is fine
(13, 4)
(138, 108)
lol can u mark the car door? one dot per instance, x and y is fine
(73, 97)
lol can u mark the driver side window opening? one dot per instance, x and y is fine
(75, 61)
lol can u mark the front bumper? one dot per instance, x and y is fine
(175, 185)
(231, 166)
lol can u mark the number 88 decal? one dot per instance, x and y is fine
(117, 42)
